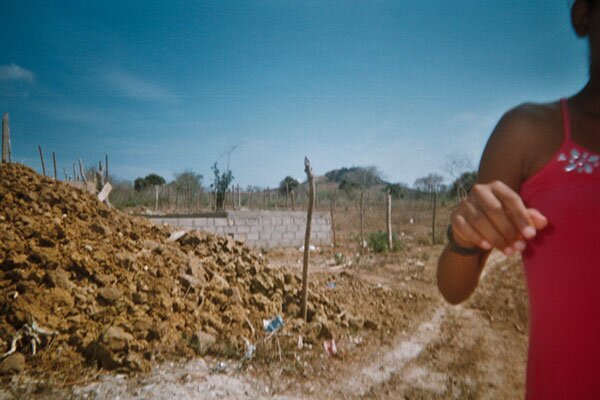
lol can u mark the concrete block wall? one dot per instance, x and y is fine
(258, 229)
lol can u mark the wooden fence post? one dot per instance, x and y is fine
(331, 211)
(389, 221)
(106, 168)
(287, 195)
(362, 219)
(293, 194)
(155, 198)
(311, 202)
(5, 139)
(81, 171)
(433, 219)
(42, 158)
(54, 162)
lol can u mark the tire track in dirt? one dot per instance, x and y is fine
(460, 356)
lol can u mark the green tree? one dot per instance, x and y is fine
(288, 184)
(154, 180)
(220, 184)
(150, 180)
(430, 183)
(397, 190)
(463, 184)
(364, 177)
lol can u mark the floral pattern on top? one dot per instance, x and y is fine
(580, 162)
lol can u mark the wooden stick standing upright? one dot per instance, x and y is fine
(106, 168)
(83, 178)
(42, 159)
(333, 220)
(54, 162)
(311, 204)
(433, 219)
(5, 139)
(389, 221)
(362, 219)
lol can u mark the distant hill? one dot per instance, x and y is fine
(363, 176)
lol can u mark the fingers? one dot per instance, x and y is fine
(465, 235)
(539, 221)
(494, 215)
(515, 209)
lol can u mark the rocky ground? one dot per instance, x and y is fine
(122, 312)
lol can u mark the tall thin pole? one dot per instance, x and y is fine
(433, 219)
(42, 158)
(311, 203)
(362, 219)
(389, 220)
(81, 171)
(332, 208)
(5, 139)
(106, 168)
(54, 162)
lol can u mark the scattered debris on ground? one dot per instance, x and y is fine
(82, 284)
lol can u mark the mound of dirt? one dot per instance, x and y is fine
(103, 288)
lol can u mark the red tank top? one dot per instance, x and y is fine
(562, 267)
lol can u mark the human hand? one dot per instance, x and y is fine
(493, 215)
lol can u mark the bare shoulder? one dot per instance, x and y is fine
(522, 142)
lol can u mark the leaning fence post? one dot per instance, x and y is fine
(42, 158)
(5, 139)
(54, 162)
(311, 203)
(389, 220)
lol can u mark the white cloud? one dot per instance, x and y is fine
(13, 72)
(133, 86)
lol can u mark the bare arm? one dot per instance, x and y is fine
(493, 215)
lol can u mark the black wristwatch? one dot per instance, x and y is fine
(456, 248)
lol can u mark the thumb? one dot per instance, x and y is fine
(538, 220)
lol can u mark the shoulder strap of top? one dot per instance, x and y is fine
(564, 106)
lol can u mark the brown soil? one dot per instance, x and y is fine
(395, 335)
(119, 295)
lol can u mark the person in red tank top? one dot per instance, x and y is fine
(538, 193)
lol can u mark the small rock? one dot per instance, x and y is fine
(135, 362)
(109, 295)
(102, 354)
(262, 284)
(204, 341)
(117, 339)
(370, 324)
(13, 364)
(188, 281)
(219, 283)
(58, 278)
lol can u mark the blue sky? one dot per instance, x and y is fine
(164, 86)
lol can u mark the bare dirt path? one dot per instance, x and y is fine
(473, 351)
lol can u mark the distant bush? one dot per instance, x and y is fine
(378, 242)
